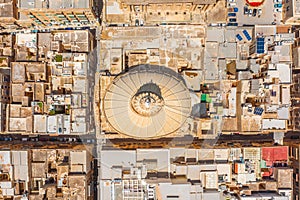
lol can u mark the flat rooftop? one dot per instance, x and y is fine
(7, 8)
(53, 4)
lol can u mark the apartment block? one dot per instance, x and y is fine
(291, 11)
(51, 13)
(294, 153)
(179, 173)
(45, 173)
(8, 14)
(140, 13)
(15, 175)
(49, 83)
(60, 174)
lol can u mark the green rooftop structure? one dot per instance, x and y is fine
(206, 98)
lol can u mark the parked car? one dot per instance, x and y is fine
(79, 140)
(250, 12)
(254, 12)
(222, 24)
(232, 19)
(259, 12)
(53, 139)
(88, 141)
(277, 1)
(278, 5)
(34, 139)
(246, 10)
(235, 9)
(231, 14)
(141, 22)
(232, 24)
(8, 139)
(43, 139)
(231, 4)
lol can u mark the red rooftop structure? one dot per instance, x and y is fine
(273, 156)
(255, 3)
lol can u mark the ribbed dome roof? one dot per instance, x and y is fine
(147, 102)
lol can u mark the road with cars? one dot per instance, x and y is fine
(47, 139)
(90, 138)
(136, 143)
(190, 142)
(233, 140)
